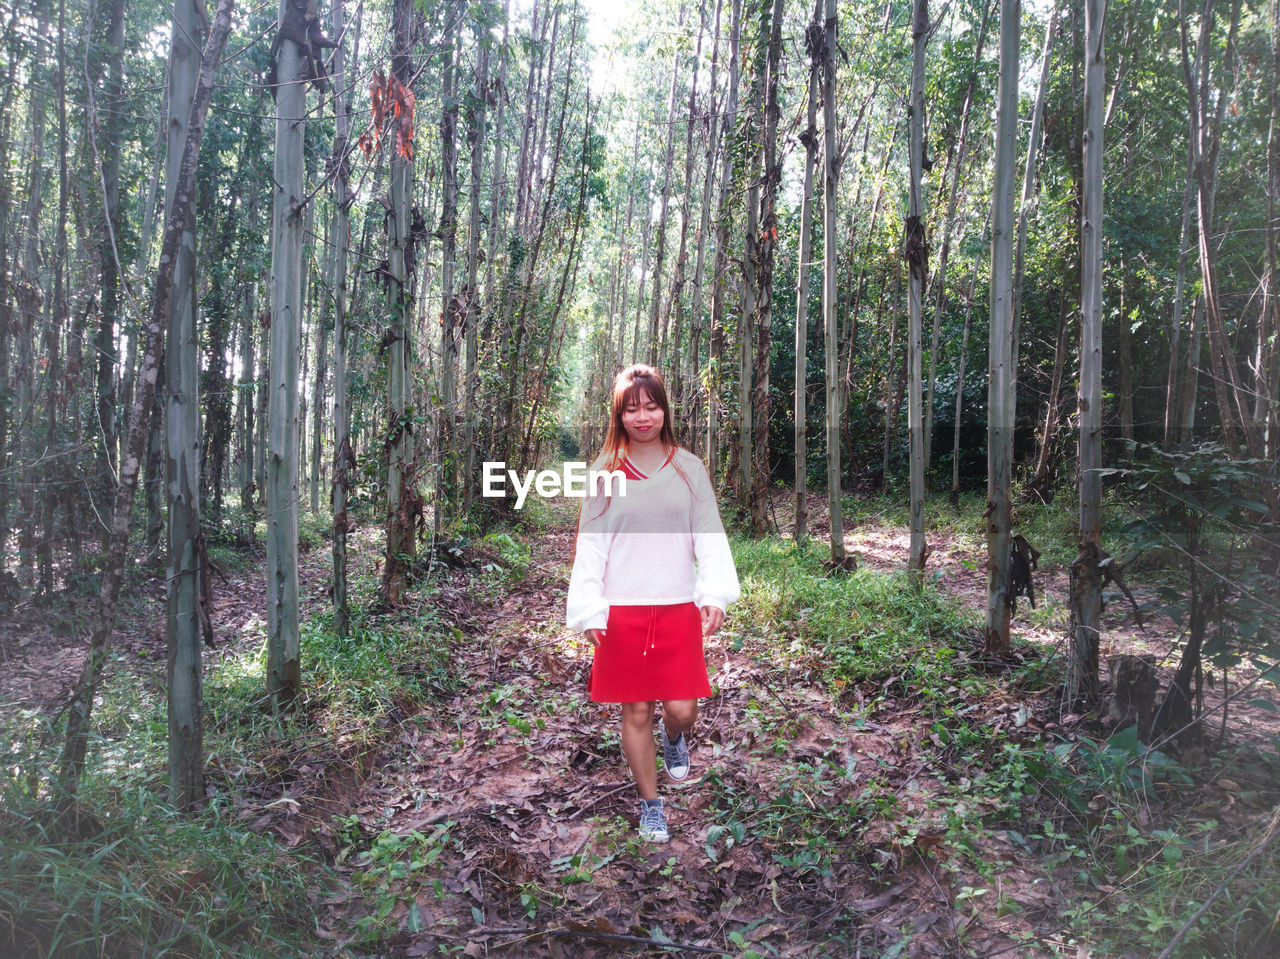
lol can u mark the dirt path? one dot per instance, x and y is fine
(518, 792)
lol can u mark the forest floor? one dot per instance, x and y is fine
(825, 815)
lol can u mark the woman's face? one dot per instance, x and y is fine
(642, 419)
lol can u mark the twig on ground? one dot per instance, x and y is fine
(526, 932)
(600, 798)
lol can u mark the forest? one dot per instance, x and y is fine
(971, 310)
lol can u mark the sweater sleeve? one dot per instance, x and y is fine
(586, 607)
(717, 580)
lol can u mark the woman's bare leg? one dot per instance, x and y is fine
(679, 715)
(639, 748)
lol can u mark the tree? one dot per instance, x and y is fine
(1086, 580)
(916, 247)
(182, 459)
(1002, 376)
(284, 673)
(344, 460)
(766, 240)
(813, 46)
(402, 502)
(830, 321)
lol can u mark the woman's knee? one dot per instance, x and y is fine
(637, 714)
(681, 713)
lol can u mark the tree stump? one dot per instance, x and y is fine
(1134, 685)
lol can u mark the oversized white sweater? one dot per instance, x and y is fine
(660, 543)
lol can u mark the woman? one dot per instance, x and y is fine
(652, 576)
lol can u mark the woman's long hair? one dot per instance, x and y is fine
(629, 388)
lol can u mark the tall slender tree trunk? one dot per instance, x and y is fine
(917, 268)
(724, 226)
(401, 538)
(470, 377)
(284, 672)
(681, 272)
(830, 321)
(659, 257)
(703, 236)
(246, 388)
(762, 474)
(1172, 395)
(182, 441)
(1266, 413)
(1027, 204)
(1086, 583)
(1001, 384)
(109, 302)
(813, 46)
(1041, 482)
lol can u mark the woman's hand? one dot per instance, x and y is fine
(594, 636)
(712, 620)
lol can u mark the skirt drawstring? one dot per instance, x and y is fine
(651, 635)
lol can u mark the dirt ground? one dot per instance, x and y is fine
(512, 798)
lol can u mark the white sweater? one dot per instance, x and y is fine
(661, 543)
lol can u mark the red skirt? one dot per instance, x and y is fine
(650, 653)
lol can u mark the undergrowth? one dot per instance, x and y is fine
(132, 876)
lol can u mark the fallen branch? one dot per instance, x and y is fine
(526, 932)
(600, 798)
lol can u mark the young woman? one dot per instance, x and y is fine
(652, 576)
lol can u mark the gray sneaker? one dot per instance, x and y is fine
(653, 823)
(675, 754)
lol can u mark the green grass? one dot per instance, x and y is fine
(135, 873)
(868, 628)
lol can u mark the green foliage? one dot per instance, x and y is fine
(870, 628)
(1201, 519)
(134, 876)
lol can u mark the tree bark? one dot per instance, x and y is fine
(401, 508)
(284, 672)
(1086, 585)
(916, 253)
(344, 460)
(724, 226)
(830, 321)
(800, 409)
(1001, 384)
(182, 442)
(762, 474)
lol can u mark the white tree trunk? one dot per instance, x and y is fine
(1001, 375)
(1086, 612)
(182, 447)
(284, 674)
(830, 321)
(813, 42)
(917, 268)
